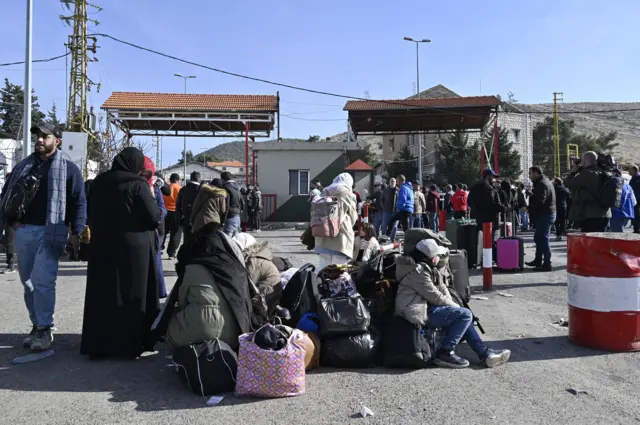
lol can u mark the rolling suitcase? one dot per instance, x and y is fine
(455, 232)
(459, 267)
(510, 253)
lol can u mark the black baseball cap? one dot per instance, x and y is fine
(45, 129)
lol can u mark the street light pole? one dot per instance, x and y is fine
(425, 40)
(26, 121)
(184, 151)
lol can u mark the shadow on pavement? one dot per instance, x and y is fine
(146, 381)
(502, 286)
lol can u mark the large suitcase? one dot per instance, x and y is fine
(459, 267)
(455, 232)
(510, 253)
(404, 345)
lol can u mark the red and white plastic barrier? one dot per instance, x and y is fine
(487, 256)
(603, 281)
(389, 246)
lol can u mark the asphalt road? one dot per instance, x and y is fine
(531, 389)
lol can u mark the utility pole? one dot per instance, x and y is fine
(556, 136)
(425, 40)
(26, 117)
(79, 82)
(184, 154)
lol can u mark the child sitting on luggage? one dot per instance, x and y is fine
(424, 300)
(366, 243)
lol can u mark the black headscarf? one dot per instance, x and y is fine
(216, 182)
(129, 159)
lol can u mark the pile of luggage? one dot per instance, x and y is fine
(342, 317)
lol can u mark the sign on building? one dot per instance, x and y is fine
(75, 145)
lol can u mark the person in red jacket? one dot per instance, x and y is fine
(459, 202)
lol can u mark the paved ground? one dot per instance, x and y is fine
(531, 389)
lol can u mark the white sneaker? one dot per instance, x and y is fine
(497, 357)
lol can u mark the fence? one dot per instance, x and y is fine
(269, 207)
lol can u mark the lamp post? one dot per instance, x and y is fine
(26, 118)
(184, 152)
(417, 42)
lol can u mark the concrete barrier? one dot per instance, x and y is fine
(603, 282)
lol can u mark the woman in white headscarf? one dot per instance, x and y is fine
(339, 249)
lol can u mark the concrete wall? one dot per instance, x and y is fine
(273, 176)
(520, 128)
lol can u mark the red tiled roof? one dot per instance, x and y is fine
(226, 164)
(445, 102)
(193, 102)
(359, 165)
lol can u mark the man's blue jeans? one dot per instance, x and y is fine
(433, 221)
(417, 221)
(38, 267)
(377, 223)
(524, 219)
(618, 224)
(458, 325)
(232, 226)
(386, 219)
(544, 223)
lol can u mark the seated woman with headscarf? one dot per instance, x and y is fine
(213, 296)
(339, 249)
(121, 300)
(260, 269)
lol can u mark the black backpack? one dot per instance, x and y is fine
(610, 194)
(209, 367)
(20, 196)
(298, 296)
(404, 345)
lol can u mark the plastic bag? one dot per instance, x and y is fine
(340, 316)
(351, 351)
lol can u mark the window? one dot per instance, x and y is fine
(299, 182)
(516, 136)
(392, 144)
(241, 169)
(224, 168)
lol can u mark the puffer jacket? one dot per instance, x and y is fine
(585, 187)
(418, 287)
(210, 206)
(343, 243)
(204, 313)
(263, 273)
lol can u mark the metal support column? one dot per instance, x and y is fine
(26, 133)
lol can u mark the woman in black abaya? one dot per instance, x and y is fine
(121, 300)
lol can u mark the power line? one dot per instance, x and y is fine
(38, 60)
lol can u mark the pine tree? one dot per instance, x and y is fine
(189, 157)
(11, 109)
(543, 143)
(458, 160)
(404, 164)
(53, 120)
(508, 156)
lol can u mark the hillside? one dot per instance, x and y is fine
(232, 151)
(627, 123)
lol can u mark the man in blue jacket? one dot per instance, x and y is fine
(404, 207)
(620, 216)
(42, 229)
(635, 185)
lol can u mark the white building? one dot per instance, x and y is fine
(518, 123)
(206, 173)
(236, 168)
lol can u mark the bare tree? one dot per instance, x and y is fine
(108, 141)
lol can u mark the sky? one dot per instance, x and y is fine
(587, 49)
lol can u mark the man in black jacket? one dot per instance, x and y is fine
(184, 204)
(635, 185)
(232, 224)
(542, 207)
(562, 195)
(485, 201)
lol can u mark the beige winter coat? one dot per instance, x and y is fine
(343, 243)
(419, 203)
(418, 287)
(263, 273)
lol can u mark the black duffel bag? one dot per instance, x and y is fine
(404, 345)
(343, 316)
(297, 296)
(209, 367)
(351, 351)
